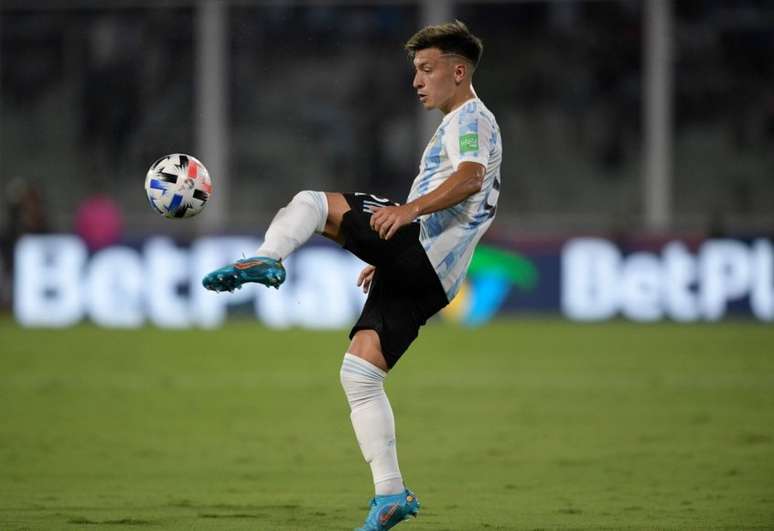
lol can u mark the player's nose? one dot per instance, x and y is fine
(417, 83)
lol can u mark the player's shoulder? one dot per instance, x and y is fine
(474, 106)
(487, 114)
(475, 110)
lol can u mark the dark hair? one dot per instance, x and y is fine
(452, 37)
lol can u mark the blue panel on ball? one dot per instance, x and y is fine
(155, 184)
(175, 203)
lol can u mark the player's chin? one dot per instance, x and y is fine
(426, 103)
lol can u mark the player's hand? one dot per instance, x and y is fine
(387, 220)
(365, 278)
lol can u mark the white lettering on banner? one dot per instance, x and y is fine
(724, 268)
(114, 288)
(762, 297)
(590, 279)
(320, 292)
(641, 287)
(680, 276)
(598, 282)
(336, 299)
(57, 284)
(169, 271)
(275, 311)
(47, 287)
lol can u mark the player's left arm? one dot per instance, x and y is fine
(366, 277)
(463, 183)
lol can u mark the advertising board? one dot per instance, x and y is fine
(58, 283)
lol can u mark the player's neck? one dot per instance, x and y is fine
(458, 99)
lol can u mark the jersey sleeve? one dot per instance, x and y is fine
(470, 137)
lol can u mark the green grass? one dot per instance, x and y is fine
(518, 425)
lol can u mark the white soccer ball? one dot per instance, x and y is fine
(178, 186)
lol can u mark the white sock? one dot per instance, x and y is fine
(294, 224)
(373, 421)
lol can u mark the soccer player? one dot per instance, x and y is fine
(418, 252)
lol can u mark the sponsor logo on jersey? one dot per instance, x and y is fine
(468, 143)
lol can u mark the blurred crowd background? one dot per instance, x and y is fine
(317, 95)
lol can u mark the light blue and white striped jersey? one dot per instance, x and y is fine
(468, 133)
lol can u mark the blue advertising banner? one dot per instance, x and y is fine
(57, 283)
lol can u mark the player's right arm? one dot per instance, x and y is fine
(466, 181)
(460, 185)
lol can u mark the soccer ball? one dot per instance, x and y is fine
(178, 186)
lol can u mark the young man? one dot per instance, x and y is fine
(418, 252)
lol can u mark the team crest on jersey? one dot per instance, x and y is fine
(468, 143)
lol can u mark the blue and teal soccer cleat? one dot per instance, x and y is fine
(260, 269)
(388, 511)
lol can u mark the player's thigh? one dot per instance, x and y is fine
(360, 238)
(366, 345)
(337, 207)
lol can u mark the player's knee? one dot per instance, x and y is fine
(353, 381)
(310, 198)
(360, 383)
(316, 203)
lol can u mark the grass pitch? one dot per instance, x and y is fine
(517, 425)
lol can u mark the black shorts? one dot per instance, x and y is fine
(405, 291)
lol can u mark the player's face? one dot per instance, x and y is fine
(435, 78)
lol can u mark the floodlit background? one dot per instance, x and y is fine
(616, 365)
(616, 115)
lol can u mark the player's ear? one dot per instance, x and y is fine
(460, 72)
